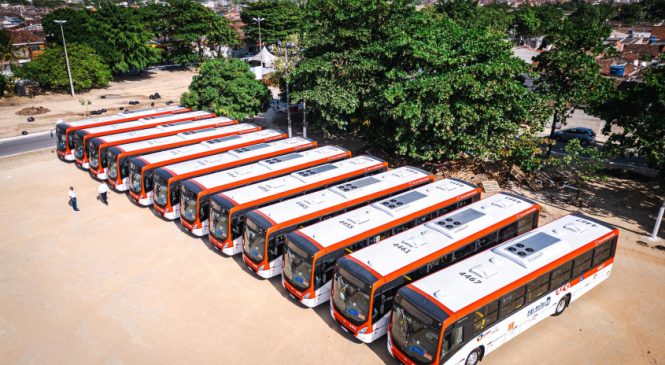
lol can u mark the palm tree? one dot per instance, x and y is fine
(7, 55)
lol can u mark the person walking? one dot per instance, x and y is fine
(103, 191)
(72, 199)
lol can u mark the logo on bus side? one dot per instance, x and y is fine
(540, 306)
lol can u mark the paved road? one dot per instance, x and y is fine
(12, 146)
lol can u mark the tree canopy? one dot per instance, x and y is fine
(281, 19)
(639, 110)
(424, 87)
(116, 33)
(227, 87)
(50, 71)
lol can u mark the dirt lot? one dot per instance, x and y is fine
(117, 285)
(169, 85)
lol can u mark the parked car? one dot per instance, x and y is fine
(585, 135)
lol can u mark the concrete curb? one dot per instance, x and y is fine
(26, 136)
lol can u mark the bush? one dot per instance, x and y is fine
(227, 87)
(50, 70)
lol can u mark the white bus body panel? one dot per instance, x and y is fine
(273, 269)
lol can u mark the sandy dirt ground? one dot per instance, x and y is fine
(169, 84)
(116, 285)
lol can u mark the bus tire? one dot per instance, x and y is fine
(474, 357)
(562, 305)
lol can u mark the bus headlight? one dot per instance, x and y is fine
(362, 331)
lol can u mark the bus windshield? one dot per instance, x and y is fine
(93, 155)
(188, 205)
(297, 265)
(414, 331)
(113, 164)
(78, 143)
(134, 178)
(351, 297)
(161, 190)
(62, 141)
(255, 241)
(219, 222)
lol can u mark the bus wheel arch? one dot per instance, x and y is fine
(475, 356)
(562, 305)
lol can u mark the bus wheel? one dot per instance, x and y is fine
(473, 358)
(561, 306)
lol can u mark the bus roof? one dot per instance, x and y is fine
(236, 154)
(320, 200)
(217, 143)
(114, 127)
(184, 136)
(312, 175)
(423, 240)
(271, 164)
(125, 115)
(164, 128)
(355, 222)
(499, 267)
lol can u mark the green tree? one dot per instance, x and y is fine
(7, 55)
(580, 164)
(49, 69)
(424, 87)
(569, 76)
(281, 19)
(185, 27)
(639, 111)
(468, 13)
(227, 87)
(116, 33)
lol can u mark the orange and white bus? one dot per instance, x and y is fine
(96, 147)
(462, 313)
(118, 156)
(167, 180)
(81, 136)
(64, 130)
(365, 282)
(195, 192)
(310, 253)
(266, 227)
(141, 167)
(228, 209)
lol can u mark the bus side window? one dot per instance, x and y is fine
(511, 302)
(525, 224)
(508, 232)
(561, 275)
(327, 266)
(465, 251)
(485, 316)
(237, 226)
(582, 263)
(602, 253)
(536, 288)
(464, 203)
(487, 241)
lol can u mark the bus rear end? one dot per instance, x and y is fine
(167, 180)
(266, 228)
(309, 261)
(118, 176)
(365, 281)
(64, 130)
(228, 209)
(141, 168)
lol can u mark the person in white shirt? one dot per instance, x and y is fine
(72, 198)
(103, 190)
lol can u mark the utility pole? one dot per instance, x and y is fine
(656, 228)
(288, 100)
(64, 45)
(304, 118)
(259, 20)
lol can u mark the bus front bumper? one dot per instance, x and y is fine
(234, 248)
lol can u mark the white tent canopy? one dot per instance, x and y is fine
(265, 57)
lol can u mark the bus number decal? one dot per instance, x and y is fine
(471, 278)
(346, 224)
(402, 247)
(563, 289)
